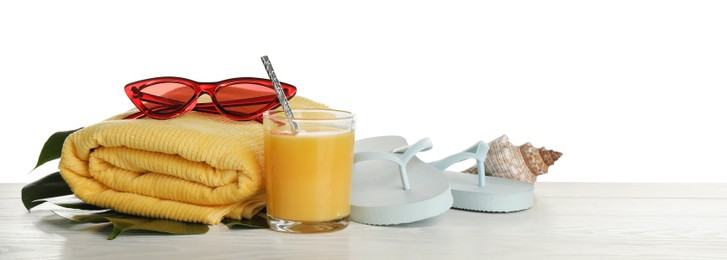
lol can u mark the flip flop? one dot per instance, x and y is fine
(484, 193)
(389, 188)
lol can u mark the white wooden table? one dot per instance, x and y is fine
(568, 221)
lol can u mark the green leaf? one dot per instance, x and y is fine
(123, 222)
(49, 186)
(257, 221)
(52, 147)
(93, 217)
(72, 205)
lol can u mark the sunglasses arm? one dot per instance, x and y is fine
(136, 115)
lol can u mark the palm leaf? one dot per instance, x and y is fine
(72, 205)
(257, 221)
(123, 222)
(49, 186)
(52, 147)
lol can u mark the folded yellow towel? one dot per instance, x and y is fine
(198, 167)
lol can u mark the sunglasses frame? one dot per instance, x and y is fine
(134, 89)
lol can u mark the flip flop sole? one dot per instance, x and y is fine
(498, 194)
(377, 195)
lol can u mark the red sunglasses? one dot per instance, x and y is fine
(238, 98)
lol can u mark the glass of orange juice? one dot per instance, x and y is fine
(308, 164)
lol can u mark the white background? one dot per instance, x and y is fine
(629, 91)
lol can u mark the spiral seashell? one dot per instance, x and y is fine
(523, 163)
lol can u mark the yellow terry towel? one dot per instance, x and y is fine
(197, 167)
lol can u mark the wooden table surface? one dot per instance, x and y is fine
(568, 221)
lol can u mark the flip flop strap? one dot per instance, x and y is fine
(402, 160)
(477, 151)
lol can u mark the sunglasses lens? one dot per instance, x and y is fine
(245, 99)
(166, 99)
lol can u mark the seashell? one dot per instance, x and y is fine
(523, 163)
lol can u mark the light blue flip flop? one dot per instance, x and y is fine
(484, 193)
(390, 188)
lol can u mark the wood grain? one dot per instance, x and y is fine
(568, 221)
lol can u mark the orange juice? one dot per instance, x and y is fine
(308, 175)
